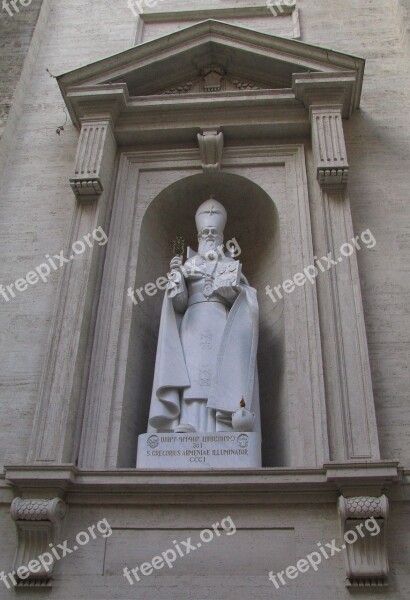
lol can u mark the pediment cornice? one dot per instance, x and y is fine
(262, 67)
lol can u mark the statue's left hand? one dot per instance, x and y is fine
(228, 292)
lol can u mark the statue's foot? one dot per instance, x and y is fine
(185, 428)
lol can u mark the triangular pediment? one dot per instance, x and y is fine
(242, 59)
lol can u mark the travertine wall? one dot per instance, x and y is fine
(20, 35)
(36, 201)
(35, 212)
(15, 34)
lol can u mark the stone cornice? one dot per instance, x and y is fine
(94, 100)
(303, 54)
(270, 485)
(328, 89)
(250, 107)
(241, 109)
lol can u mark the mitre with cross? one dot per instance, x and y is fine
(211, 213)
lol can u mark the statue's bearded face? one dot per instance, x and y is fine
(209, 238)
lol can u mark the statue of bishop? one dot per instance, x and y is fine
(208, 338)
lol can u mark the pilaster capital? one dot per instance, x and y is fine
(329, 98)
(96, 140)
(328, 143)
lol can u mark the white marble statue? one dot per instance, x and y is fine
(208, 338)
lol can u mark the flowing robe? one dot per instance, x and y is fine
(206, 355)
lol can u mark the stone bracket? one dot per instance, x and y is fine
(366, 559)
(38, 524)
(211, 143)
(87, 180)
(329, 146)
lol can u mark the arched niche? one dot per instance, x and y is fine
(254, 222)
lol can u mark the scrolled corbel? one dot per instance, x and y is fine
(363, 523)
(38, 523)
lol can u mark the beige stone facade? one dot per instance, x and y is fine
(114, 128)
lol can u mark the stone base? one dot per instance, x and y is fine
(224, 450)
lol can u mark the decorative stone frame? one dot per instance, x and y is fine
(101, 433)
(341, 424)
(286, 21)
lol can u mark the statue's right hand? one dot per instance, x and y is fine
(176, 263)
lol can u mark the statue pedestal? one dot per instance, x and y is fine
(223, 450)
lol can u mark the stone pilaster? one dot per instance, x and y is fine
(55, 430)
(352, 418)
(349, 389)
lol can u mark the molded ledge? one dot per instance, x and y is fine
(236, 486)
